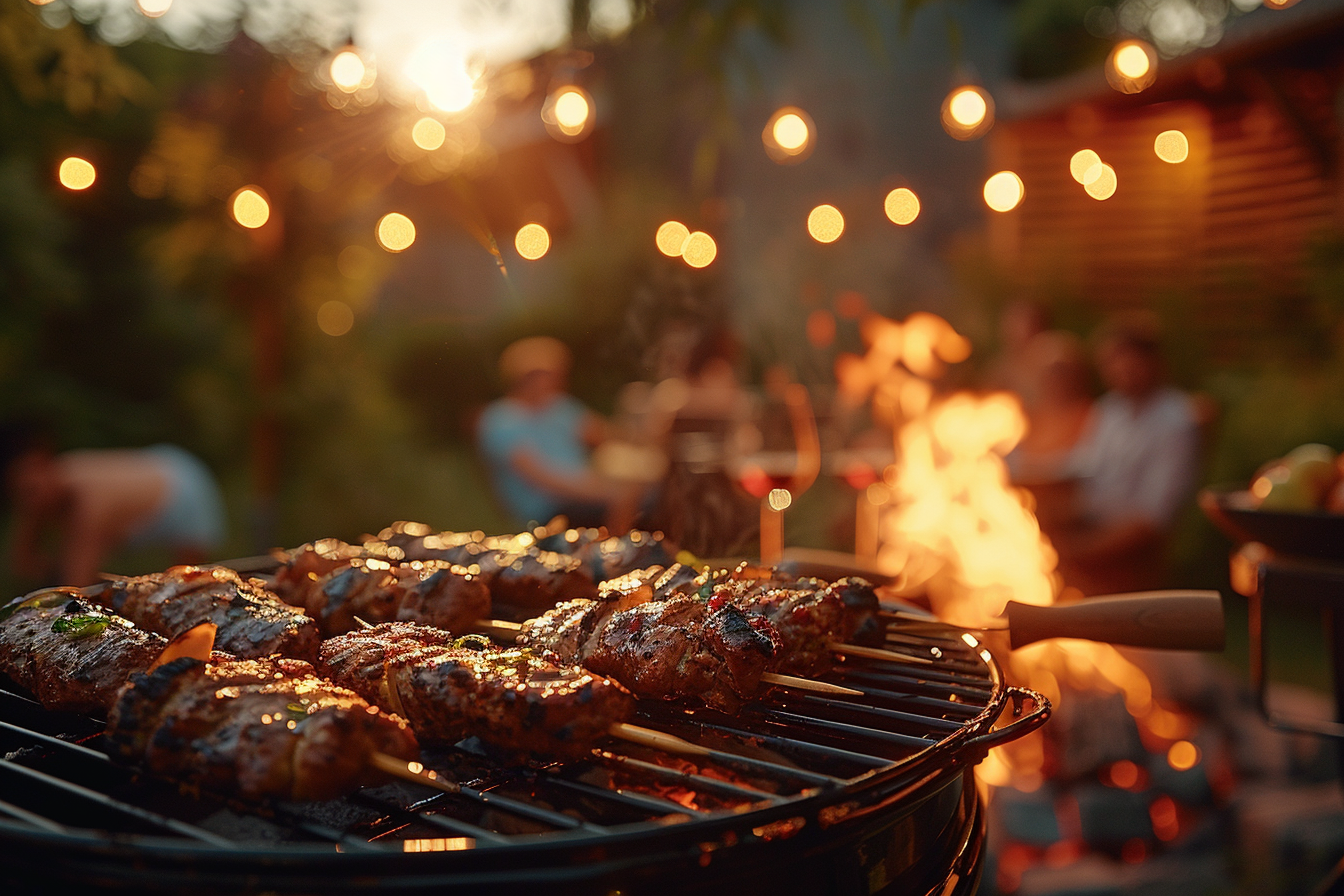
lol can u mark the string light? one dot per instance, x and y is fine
(699, 250)
(670, 238)
(901, 206)
(532, 241)
(968, 112)
(825, 224)
(347, 70)
(1103, 186)
(250, 207)
(428, 134)
(568, 114)
(76, 173)
(1132, 66)
(1085, 166)
(1004, 191)
(789, 135)
(1172, 147)
(395, 232)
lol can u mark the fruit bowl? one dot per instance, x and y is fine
(1318, 534)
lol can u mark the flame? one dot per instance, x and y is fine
(957, 531)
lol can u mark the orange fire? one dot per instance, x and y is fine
(957, 532)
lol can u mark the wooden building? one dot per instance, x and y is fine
(1227, 232)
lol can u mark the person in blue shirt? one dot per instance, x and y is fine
(536, 441)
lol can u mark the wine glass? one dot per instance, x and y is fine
(776, 458)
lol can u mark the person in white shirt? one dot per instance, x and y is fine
(1137, 464)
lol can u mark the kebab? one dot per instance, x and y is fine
(512, 698)
(260, 727)
(336, 584)
(251, 621)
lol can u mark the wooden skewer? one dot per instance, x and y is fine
(878, 653)
(647, 737)
(412, 771)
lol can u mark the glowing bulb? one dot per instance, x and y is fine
(1131, 61)
(825, 223)
(571, 110)
(901, 205)
(1081, 164)
(347, 70)
(671, 237)
(967, 107)
(1172, 147)
(153, 8)
(1132, 66)
(532, 241)
(787, 136)
(790, 132)
(968, 113)
(779, 499)
(76, 173)
(699, 250)
(1004, 191)
(1103, 187)
(335, 318)
(428, 134)
(250, 207)
(395, 232)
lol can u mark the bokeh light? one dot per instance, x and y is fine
(428, 133)
(779, 499)
(1102, 187)
(1279, 4)
(1172, 147)
(1132, 66)
(968, 112)
(438, 68)
(250, 207)
(335, 318)
(395, 232)
(1004, 191)
(154, 8)
(568, 114)
(671, 237)
(901, 206)
(347, 70)
(532, 241)
(789, 135)
(76, 173)
(1183, 755)
(825, 223)
(699, 250)
(1085, 164)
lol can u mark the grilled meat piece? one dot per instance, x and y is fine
(608, 557)
(259, 728)
(523, 580)
(252, 621)
(668, 649)
(70, 654)
(376, 590)
(511, 698)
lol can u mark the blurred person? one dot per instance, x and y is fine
(87, 504)
(1137, 463)
(537, 442)
(1060, 377)
(1010, 369)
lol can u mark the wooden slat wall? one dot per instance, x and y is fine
(1228, 227)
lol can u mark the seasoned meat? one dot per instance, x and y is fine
(69, 653)
(258, 728)
(607, 557)
(522, 579)
(252, 621)
(377, 590)
(512, 698)
(671, 649)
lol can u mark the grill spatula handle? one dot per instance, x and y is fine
(1175, 620)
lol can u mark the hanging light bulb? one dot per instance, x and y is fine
(568, 114)
(1132, 66)
(968, 112)
(789, 135)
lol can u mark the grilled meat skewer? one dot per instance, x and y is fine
(252, 622)
(260, 728)
(335, 587)
(511, 698)
(670, 649)
(69, 653)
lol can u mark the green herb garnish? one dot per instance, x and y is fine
(81, 626)
(51, 597)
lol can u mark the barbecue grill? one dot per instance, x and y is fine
(811, 793)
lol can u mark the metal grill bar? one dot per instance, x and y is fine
(422, 812)
(693, 781)
(859, 731)
(785, 744)
(31, 818)
(933, 722)
(657, 805)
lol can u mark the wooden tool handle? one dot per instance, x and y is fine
(1175, 620)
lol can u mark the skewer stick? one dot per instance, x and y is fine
(647, 737)
(411, 771)
(878, 653)
(807, 684)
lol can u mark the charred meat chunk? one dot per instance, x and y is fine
(257, 728)
(511, 698)
(70, 654)
(252, 621)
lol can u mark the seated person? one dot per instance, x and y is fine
(1138, 461)
(536, 442)
(1060, 403)
(94, 502)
